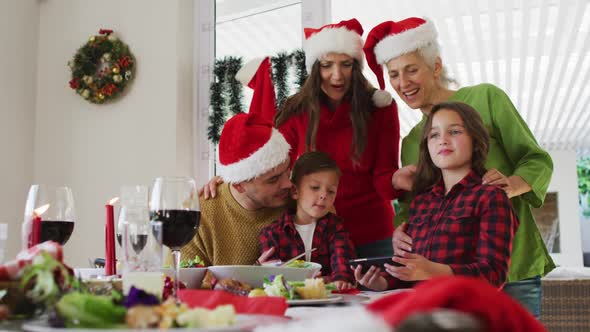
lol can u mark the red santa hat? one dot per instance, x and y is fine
(391, 39)
(249, 145)
(497, 310)
(343, 37)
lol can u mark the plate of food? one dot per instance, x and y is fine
(311, 291)
(242, 322)
(332, 298)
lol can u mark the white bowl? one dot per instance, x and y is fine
(254, 275)
(191, 276)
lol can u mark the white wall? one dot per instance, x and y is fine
(565, 183)
(19, 35)
(97, 148)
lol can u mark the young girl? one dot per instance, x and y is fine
(457, 224)
(315, 177)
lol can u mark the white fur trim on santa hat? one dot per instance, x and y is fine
(342, 319)
(247, 72)
(333, 40)
(408, 41)
(269, 156)
(382, 98)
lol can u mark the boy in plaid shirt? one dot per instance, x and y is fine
(315, 177)
(458, 225)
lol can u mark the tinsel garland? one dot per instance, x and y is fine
(280, 64)
(226, 91)
(300, 69)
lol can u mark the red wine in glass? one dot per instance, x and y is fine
(58, 231)
(138, 241)
(178, 226)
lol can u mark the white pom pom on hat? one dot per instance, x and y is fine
(249, 145)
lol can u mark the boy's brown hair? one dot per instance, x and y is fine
(312, 162)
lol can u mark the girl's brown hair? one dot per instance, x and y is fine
(427, 174)
(309, 98)
(312, 162)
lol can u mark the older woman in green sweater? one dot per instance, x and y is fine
(515, 162)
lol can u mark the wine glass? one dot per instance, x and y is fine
(174, 202)
(57, 221)
(134, 207)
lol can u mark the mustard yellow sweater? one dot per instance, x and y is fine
(228, 233)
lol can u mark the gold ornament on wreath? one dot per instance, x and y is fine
(102, 68)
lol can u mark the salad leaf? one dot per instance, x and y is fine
(276, 287)
(46, 279)
(187, 263)
(195, 262)
(91, 311)
(299, 263)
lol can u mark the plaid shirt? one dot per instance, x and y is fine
(470, 228)
(334, 248)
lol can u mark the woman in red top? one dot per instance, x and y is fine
(338, 112)
(458, 226)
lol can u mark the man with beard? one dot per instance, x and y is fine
(254, 164)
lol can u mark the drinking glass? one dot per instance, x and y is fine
(3, 238)
(142, 255)
(134, 206)
(57, 222)
(174, 202)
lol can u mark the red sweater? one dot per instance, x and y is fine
(364, 196)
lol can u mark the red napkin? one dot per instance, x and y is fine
(264, 305)
(11, 270)
(351, 291)
(497, 310)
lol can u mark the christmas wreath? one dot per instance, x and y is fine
(102, 68)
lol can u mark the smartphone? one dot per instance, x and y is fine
(379, 262)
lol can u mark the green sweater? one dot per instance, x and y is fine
(228, 233)
(513, 151)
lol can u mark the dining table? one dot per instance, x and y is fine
(295, 312)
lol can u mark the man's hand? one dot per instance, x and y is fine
(210, 189)
(401, 241)
(416, 267)
(513, 185)
(403, 178)
(372, 279)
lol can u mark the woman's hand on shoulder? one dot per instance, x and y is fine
(401, 241)
(512, 186)
(210, 188)
(403, 178)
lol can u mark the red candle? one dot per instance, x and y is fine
(110, 267)
(35, 236)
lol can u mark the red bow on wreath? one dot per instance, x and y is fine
(105, 31)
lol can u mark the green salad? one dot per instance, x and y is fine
(188, 263)
(299, 263)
